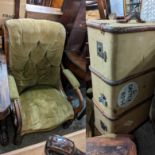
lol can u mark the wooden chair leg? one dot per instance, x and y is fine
(16, 116)
(67, 124)
(17, 139)
(4, 138)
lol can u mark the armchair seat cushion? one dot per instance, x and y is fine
(43, 108)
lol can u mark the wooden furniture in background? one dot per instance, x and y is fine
(102, 6)
(79, 138)
(40, 2)
(57, 3)
(66, 14)
(11, 9)
(76, 50)
(42, 12)
(49, 3)
(72, 16)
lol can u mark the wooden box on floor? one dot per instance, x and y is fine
(115, 100)
(126, 123)
(7, 8)
(79, 138)
(119, 50)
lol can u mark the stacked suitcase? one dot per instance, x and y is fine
(123, 73)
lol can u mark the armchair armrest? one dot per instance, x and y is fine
(13, 88)
(71, 78)
(75, 85)
(15, 106)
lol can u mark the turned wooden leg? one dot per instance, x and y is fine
(17, 139)
(67, 124)
(16, 116)
(4, 138)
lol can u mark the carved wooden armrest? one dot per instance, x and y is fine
(76, 86)
(59, 145)
(15, 107)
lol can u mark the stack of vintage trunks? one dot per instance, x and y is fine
(123, 73)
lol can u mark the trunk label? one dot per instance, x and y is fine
(127, 94)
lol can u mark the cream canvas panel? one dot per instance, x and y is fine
(115, 100)
(126, 123)
(116, 51)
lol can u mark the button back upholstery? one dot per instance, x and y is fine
(35, 49)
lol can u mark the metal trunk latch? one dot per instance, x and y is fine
(100, 51)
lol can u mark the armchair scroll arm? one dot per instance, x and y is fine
(15, 107)
(75, 85)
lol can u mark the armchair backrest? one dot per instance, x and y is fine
(35, 49)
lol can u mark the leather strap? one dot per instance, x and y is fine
(17, 9)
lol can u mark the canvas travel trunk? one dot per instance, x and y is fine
(122, 64)
(121, 50)
(124, 124)
(7, 10)
(115, 100)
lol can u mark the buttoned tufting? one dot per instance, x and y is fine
(35, 52)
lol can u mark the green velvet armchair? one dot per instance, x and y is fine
(34, 51)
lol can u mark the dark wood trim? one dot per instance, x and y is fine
(17, 119)
(17, 113)
(4, 114)
(81, 100)
(78, 93)
(119, 30)
(118, 82)
(102, 7)
(78, 71)
(125, 112)
(17, 9)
